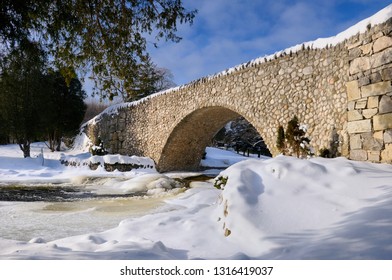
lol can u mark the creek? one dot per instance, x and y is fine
(54, 211)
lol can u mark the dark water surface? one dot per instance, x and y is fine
(61, 193)
(52, 194)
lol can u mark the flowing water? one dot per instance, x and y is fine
(51, 212)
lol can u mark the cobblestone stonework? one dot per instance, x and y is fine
(342, 93)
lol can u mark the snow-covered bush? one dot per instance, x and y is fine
(220, 182)
(98, 149)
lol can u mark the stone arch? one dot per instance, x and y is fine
(186, 144)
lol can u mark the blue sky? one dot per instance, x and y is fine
(226, 33)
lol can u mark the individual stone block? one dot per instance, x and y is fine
(388, 136)
(382, 43)
(351, 105)
(359, 64)
(375, 78)
(364, 81)
(381, 58)
(359, 126)
(307, 70)
(377, 35)
(386, 154)
(353, 92)
(385, 104)
(368, 113)
(355, 142)
(373, 102)
(354, 53)
(354, 115)
(360, 155)
(382, 122)
(376, 89)
(374, 156)
(369, 143)
(386, 74)
(361, 104)
(354, 45)
(366, 49)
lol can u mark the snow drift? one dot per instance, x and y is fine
(306, 208)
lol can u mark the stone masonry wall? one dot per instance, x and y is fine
(369, 94)
(342, 93)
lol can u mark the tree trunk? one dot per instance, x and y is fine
(58, 148)
(25, 147)
(52, 142)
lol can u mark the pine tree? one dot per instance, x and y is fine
(148, 79)
(21, 84)
(64, 108)
(295, 137)
(36, 104)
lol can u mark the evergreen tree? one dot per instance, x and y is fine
(295, 137)
(148, 79)
(4, 139)
(64, 108)
(35, 104)
(22, 82)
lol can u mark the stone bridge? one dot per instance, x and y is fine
(343, 94)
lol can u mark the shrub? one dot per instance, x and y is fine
(293, 141)
(98, 149)
(325, 153)
(220, 182)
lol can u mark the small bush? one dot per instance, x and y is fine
(325, 153)
(98, 149)
(293, 141)
(220, 182)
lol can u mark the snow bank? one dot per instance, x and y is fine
(45, 166)
(86, 159)
(113, 159)
(292, 208)
(281, 208)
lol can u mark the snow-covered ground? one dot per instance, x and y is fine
(279, 208)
